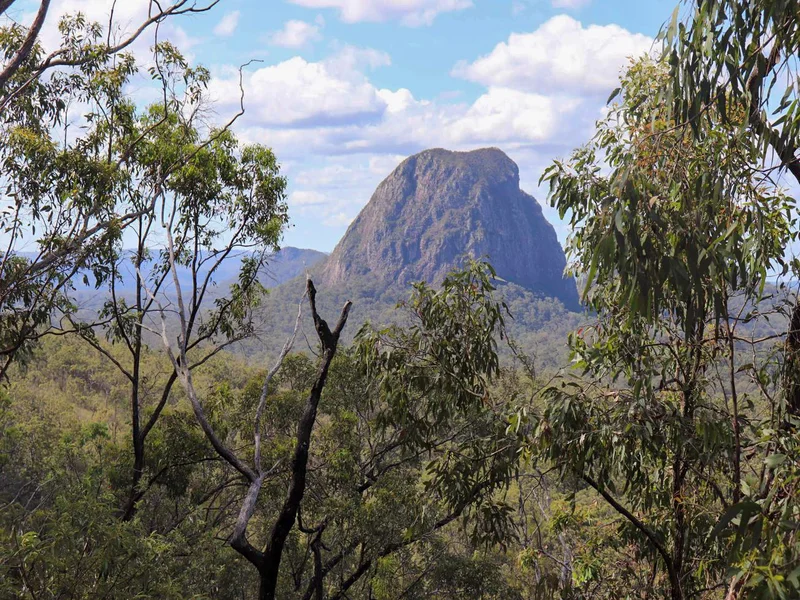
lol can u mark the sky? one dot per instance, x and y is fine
(344, 90)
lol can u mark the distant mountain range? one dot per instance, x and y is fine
(283, 266)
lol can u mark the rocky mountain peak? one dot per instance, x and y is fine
(439, 206)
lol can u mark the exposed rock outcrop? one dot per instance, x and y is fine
(437, 207)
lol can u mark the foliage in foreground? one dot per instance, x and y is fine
(410, 457)
(679, 418)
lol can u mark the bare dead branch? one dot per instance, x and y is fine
(268, 379)
(297, 486)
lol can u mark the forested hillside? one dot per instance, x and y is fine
(538, 324)
(406, 418)
(65, 427)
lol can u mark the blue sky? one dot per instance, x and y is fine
(347, 88)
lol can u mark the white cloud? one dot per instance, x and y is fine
(228, 24)
(297, 93)
(502, 117)
(295, 34)
(561, 55)
(331, 108)
(306, 198)
(507, 115)
(409, 12)
(570, 4)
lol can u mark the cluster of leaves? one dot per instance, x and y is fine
(668, 229)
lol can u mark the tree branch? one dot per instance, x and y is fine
(59, 57)
(395, 546)
(25, 50)
(286, 519)
(268, 379)
(185, 375)
(673, 575)
(783, 149)
(5, 5)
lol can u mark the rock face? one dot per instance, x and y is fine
(439, 206)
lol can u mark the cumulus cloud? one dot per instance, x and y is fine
(332, 108)
(508, 115)
(297, 93)
(561, 55)
(501, 116)
(227, 24)
(295, 34)
(413, 13)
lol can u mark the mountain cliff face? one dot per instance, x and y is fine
(439, 206)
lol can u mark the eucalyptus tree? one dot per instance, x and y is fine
(128, 169)
(61, 213)
(672, 230)
(219, 203)
(730, 86)
(372, 455)
(724, 54)
(419, 448)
